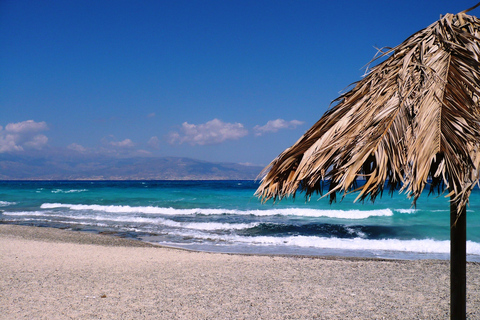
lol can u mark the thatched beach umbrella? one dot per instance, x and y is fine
(412, 122)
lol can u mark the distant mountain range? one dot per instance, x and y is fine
(110, 168)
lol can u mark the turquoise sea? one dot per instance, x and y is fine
(224, 216)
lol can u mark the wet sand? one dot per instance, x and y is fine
(55, 274)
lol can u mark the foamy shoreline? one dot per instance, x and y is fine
(56, 274)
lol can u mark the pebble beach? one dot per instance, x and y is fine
(49, 273)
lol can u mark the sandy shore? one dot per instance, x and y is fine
(56, 274)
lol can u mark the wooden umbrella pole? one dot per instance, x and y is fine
(458, 262)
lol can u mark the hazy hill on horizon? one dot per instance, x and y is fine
(132, 168)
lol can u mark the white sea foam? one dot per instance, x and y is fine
(6, 203)
(417, 246)
(338, 214)
(200, 231)
(69, 191)
(24, 213)
(357, 232)
(210, 226)
(406, 210)
(206, 226)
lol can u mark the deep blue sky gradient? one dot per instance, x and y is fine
(100, 72)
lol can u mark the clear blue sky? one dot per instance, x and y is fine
(235, 81)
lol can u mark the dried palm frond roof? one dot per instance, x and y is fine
(412, 121)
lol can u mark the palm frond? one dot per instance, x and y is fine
(413, 120)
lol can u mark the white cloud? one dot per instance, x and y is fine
(275, 125)
(151, 115)
(26, 126)
(21, 135)
(142, 152)
(37, 142)
(211, 132)
(8, 143)
(127, 143)
(76, 147)
(154, 143)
